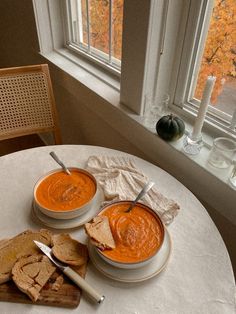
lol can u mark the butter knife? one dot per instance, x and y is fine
(76, 278)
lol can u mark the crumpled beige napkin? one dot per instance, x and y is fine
(121, 180)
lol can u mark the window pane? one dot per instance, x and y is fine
(99, 24)
(96, 28)
(117, 22)
(219, 57)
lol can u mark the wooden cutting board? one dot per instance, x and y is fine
(67, 296)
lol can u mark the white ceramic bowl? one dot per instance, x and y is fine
(140, 263)
(72, 212)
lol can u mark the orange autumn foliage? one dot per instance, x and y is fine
(219, 58)
(99, 25)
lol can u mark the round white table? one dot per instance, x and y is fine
(198, 277)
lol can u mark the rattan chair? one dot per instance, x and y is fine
(27, 104)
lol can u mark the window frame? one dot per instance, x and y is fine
(95, 56)
(132, 84)
(197, 26)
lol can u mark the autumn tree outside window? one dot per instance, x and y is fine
(219, 57)
(209, 49)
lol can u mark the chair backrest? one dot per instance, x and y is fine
(27, 104)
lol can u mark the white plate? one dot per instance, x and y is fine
(69, 223)
(134, 275)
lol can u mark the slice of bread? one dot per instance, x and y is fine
(100, 233)
(68, 250)
(19, 246)
(30, 274)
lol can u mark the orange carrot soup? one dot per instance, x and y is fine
(137, 234)
(62, 192)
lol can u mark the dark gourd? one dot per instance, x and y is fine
(170, 128)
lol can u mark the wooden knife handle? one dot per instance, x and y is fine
(80, 282)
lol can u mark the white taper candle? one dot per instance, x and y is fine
(203, 107)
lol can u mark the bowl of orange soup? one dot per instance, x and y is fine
(138, 235)
(62, 196)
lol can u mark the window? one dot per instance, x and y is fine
(57, 35)
(219, 56)
(94, 29)
(211, 50)
(162, 47)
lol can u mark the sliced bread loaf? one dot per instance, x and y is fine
(19, 246)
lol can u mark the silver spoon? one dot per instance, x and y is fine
(54, 156)
(145, 189)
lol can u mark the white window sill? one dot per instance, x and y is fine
(93, 78)
(202, 158)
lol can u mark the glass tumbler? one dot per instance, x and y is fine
(222, 152)
(148, 118)
(162, 104)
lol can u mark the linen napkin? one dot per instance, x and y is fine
(120, 179)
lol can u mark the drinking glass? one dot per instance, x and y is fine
(148, 118)
(162, 104)
(154, 109)
(222, 152)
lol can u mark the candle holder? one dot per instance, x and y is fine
(192, 145)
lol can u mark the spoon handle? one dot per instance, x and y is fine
(145, 189)
(55, 157)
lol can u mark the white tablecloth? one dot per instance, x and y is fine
(198, 278)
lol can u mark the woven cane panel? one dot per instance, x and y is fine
(24, 103)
